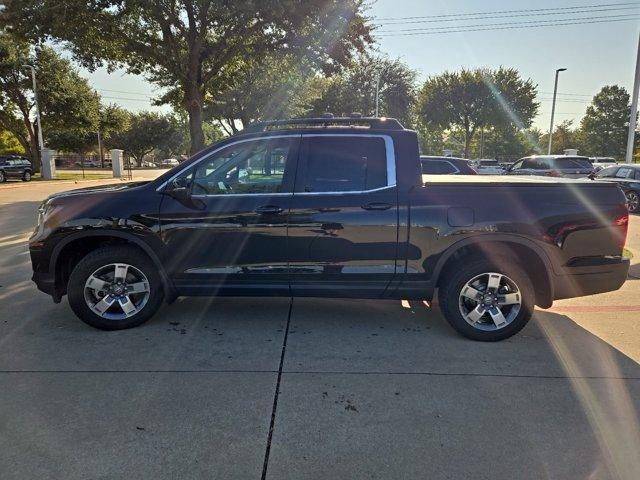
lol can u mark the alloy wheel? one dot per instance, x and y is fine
(117, 291)
(633, 201)
(490, 301)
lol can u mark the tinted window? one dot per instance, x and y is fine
(572, 163)
(248, 167)
(607, 172)
(536, 164)
(342, 164)
(637, 173)
(437, 167)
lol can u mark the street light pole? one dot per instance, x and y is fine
(35, 97)
(634, 110)
(553, 108)
(377, 93)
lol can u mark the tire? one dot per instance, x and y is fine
(633, 201)
(93, 288)
(26, 176)
(3, 177)
(487, 328)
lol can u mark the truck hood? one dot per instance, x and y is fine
(114, 187)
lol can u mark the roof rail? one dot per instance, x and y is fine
(325, 122)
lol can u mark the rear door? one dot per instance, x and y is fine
(343, 224)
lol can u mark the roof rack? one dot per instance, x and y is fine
(326, 121)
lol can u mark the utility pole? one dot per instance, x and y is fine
(35, 98)
(553, 108)
(634, 109)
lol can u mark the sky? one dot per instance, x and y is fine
(594, 54)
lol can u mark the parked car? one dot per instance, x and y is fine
(488, 167)
(293, 208)
(446, 166)
(169, 163)
(87, 163)
(552, 166)
(627, 176)
(14, 167)
(602, 162)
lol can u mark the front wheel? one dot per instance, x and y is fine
(115, 288)
(2, 176)
(633, 201)
(487, 301)
(26, 177)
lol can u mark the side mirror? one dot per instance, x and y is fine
(592, 176)
(179, 189)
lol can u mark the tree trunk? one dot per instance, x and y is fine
(193, 103)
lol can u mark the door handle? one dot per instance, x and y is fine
(377, 206)
(269, 210)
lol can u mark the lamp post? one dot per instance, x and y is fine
(377, 92)
(553, 108)
(634, 109)
(35, 97)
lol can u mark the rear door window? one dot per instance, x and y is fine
(572, 164)
(607, 172)
(624, 172)
(536, 164)
(342, 164)
(437, 167)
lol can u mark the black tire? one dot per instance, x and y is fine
(3, 177)
(26, 176)
(100, 258)
(464, 271)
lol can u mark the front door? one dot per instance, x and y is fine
(343, 225)
(229, 236)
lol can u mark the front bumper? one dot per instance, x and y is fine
(605, 275)
(46, 283)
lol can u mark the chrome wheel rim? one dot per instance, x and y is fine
(490, 301)
(27, 176)
(116, 291)
(633, 201)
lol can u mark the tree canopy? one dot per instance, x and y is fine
(69, 108)
(195, 46)
(473, 99)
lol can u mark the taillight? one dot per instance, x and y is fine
(621, 224)
(552, 173)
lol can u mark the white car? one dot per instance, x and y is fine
(169, 163)
(487, 166)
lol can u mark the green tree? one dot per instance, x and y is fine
(276, 87)
(148, 131)
(603, 129)
(9, 144)
(473, 99)
(69, 108)
(194, 46)
(564, 136)
(354, 90)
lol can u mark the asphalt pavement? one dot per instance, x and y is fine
(273, 388)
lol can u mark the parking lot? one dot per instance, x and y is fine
(273, 388)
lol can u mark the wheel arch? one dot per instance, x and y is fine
(527, 253)
(64, 257)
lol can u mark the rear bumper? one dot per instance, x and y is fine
(579, 281)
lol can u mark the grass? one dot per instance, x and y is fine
(627, 253)
(61, 175)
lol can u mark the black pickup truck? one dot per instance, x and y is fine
(331, 207)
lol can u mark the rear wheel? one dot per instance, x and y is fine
(2, 176)
(115, 288)
(487, 300)
(26, 176)
(633, 201)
